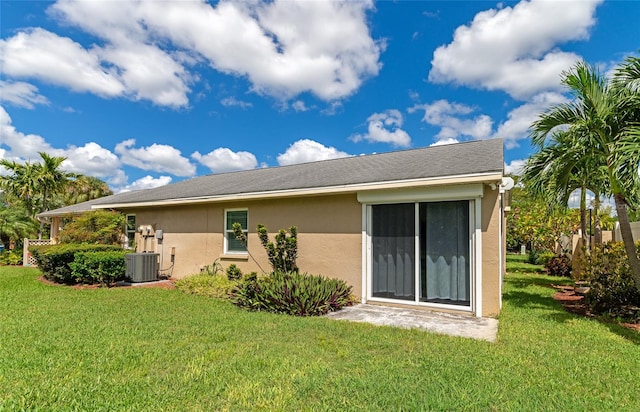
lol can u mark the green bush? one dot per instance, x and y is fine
(11, 257)
(95, 227)
(612, 289)
(99, 267)
(292, 293)
(544, 257)
(532, 256)
(234, 272)
(558, 266)
(54, 260)
(204, 284)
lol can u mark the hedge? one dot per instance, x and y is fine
(54, 260)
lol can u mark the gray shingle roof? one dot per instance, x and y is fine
(476, 157)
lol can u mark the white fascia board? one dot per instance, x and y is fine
(439, 181)
(423, 194)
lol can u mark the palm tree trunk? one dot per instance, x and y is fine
(583, 216)
(43, 209)
(597, 229)
(627, 238)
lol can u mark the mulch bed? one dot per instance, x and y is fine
(574, 302)
(169, 284)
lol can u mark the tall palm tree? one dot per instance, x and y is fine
(604, 117)
(20, 185)
(34, 184)
(51, 180)
(562, 167)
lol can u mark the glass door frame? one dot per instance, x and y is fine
(470, 193)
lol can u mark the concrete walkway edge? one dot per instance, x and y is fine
(436, 322)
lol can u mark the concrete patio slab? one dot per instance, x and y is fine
(436, 322)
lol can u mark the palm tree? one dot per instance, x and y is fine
(20, 185)
(562, 167)
(34, 184)
(15, 225)
(85, 188)
(604, 118)
(51, 180)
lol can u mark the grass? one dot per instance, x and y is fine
(142, 349)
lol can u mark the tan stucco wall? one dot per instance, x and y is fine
(491, 245)
(329, 235)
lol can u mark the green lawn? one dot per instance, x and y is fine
(140, 349)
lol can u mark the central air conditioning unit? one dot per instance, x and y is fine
(141, 267)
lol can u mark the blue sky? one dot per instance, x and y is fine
(144, 93)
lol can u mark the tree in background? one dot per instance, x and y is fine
(536, 223)
(35, 187)
(84, 188)
(604, 118)
(52, 181)
(15, 225)
(20, 186)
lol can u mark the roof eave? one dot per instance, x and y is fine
(487, 177)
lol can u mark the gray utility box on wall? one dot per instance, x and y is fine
(142, 267)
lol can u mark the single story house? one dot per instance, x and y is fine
(420, 227)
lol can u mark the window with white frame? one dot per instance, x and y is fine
(130, 232)
(231, 216)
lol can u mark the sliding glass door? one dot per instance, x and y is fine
(445, 272)
(393, 245)
(421, 252)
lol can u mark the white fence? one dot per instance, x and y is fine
(27, 259)
(635, 229)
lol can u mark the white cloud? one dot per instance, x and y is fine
(157, 157)
(450, 140)
(22, 146)
(283, 48)
(92, 160)
(299, 106)
(40, 54)
(516, 127)
(21, 94)
(453, 121)
(148, 73)
(233, 102)
(146, 182)
(307, 150)
(515, 167)
(385, 127)
(223, 160)
(514, 49)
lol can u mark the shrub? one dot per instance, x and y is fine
(234, 272)
(544, 258)
(282, 253)
(99, 267)
(213, 269)
(215, 286)
(96, 227)
(612, 289)
(292, 293)
(532, 256)
(558, 266)
(54, 260)
(11, 257)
